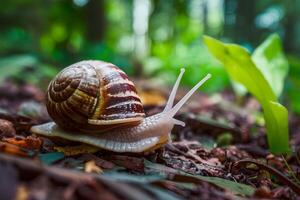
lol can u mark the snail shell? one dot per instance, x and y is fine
(93, 96)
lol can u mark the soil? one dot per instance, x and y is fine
(221, 153)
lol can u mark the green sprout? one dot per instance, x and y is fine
(243, 69)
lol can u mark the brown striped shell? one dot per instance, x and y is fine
(93, 96)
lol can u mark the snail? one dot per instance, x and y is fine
(94, 102)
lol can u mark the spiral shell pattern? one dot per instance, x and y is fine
(93, 96)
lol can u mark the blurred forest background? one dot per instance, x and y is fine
(146, 38)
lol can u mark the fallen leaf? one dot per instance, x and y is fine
(123, 176)
(152, 97)
(144, 182)
(76, 150)
(30, 142)
(263, 192)
(91, 167)
(49, 158)
(129, 162)
(15, 150)
(236, 188)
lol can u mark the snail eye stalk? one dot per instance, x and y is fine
(171, 99)
(175, 109)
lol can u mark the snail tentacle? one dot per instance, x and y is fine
(171, 99)
(175, 109)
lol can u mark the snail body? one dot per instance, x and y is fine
(99, 106)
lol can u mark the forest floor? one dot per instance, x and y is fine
(221, 153)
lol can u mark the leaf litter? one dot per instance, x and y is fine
(196, 165)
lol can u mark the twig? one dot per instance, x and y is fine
(291, 170)
(188, 154)
(282, 178)
(257, 151)
(297, 155)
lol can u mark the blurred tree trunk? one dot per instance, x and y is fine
(290, 24)
(95, 19)
(240, 20)
(204, 10)
(289, 27)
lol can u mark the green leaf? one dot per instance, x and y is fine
(276, 117)
(122, 176)
(49, 158)
(144, 181)
(238, 88)
(242, 69)
(14, 64)
(271, 61)
(236, 188)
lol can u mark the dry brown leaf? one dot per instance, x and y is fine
(91, 167)
(76, 150)
(129, 162)
(152, 98)
(30, 142)
(13, 149)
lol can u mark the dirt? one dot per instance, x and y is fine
(222, 138)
